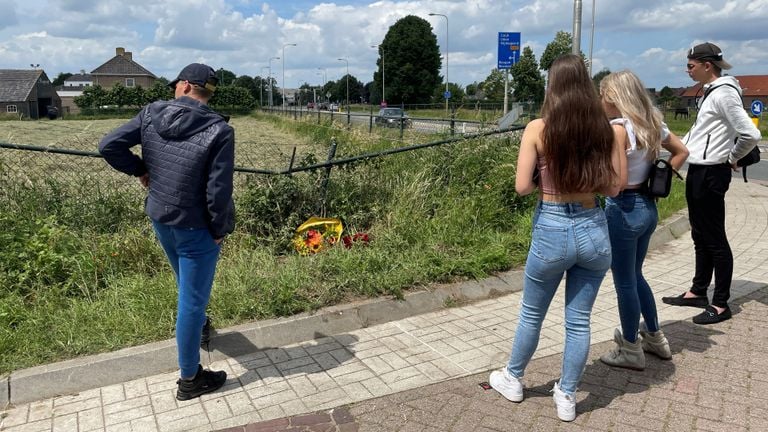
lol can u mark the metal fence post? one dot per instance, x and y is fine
(453, 121)
(370, 121)
(349, 116)
(326, 175)
(402, 120)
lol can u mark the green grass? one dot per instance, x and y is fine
(81, 272)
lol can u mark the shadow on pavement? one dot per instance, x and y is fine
(262, 363)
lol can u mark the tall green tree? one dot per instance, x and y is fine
(93, 97)
(59, 81)
(411, 62)
(527, 82)
(493, 86)
(159, 91)
(667, 98)
(226, 77)
(599, 77)
(457, 93)
(249, 84)
(562, 44)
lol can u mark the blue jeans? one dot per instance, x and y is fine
(632, 218)
(193, 255)
(572, 240)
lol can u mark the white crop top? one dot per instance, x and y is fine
(638, 164)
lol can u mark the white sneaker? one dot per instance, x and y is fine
(509, 386)
(566, 405)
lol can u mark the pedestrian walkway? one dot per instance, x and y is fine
(422, 372)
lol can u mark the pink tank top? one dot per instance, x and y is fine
(545, 181)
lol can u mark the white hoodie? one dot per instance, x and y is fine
(721, 121)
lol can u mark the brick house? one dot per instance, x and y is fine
(122, 69)
(73, 87)
(754, 87)
(27, 93)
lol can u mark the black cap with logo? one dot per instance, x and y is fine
(709, 52)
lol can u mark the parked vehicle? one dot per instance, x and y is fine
(392, 117)
(311, 105)
(333, 107)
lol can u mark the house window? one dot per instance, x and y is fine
(11, 109)
(129, 82)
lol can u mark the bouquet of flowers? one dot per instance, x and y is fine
(316, 234)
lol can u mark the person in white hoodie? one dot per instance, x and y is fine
(721, 135)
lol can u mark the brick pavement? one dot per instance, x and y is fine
(717, 380)
(400, 358)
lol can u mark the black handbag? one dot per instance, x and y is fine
(751, 158)
(660, 179)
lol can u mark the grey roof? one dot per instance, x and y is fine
(120, 65)
(16, 84)
(80, 77)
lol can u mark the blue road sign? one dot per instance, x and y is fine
(447, 94)
(509, 49)
(757, 107)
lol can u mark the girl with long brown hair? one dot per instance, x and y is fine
(578, 156)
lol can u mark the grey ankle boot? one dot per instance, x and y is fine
(655, 343)
(625, 354)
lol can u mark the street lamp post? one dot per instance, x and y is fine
(576, 46)
(285, 45)
(270, 79)
(261, 87)
(592, 37)
(383, 101)
(345, 60)
(446, 58)
(325, 81)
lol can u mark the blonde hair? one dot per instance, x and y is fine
(626, 92)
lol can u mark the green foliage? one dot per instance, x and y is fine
(493, 86)
(562, 44)
(59, 80)
(81, 272)
(232, 97)
(411, 62)
(599, 77)
(527, 81)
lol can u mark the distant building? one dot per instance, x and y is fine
(73, 87)
(754, 87)
(27, 94)
(122, 69)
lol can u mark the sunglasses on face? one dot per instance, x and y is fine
(690, 66)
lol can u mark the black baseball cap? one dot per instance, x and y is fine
(709, 52)
(198, 74)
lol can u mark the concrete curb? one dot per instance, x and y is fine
(128, 364)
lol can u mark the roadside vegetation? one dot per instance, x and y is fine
(81, 272)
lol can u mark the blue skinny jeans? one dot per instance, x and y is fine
(632, 218)
(569, 240)
(193, 255)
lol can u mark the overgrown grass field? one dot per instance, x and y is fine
(81, 273)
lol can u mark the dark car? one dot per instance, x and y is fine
(391, 117)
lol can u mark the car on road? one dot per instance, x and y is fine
(333, 107)
(392, 117)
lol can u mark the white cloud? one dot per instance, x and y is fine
(649, 37)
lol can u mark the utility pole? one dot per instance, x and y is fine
(576, 27)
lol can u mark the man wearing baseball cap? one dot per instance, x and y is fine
(721, 135)
(187, 163)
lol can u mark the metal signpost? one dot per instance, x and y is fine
(509, 54)
(757, 111)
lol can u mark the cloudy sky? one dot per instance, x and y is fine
(650, 37)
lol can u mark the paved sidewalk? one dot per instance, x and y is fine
(421, 373)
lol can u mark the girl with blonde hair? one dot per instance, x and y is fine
(632, 217)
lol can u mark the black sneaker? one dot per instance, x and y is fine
(710, 316)
(206, 335)
(699, 302)
(205, 381)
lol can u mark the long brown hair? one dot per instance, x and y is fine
(577, 137)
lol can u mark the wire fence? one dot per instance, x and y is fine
(60, 170)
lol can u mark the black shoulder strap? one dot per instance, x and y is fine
(706, 93)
